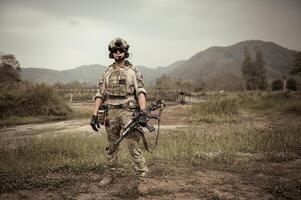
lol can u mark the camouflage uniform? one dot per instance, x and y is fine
(119, 86)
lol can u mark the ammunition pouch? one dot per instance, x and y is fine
(102, 114)
(118, 84)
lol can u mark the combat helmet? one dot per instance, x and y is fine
(118, 43)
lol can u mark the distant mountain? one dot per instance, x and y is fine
(218, 67)
(88, 73)
(151, 74)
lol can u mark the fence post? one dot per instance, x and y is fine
(71, 97)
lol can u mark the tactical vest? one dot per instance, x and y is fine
(117, 83)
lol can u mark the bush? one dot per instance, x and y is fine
(9, 74)
(291, 84)
(277, 85)
(27, 99)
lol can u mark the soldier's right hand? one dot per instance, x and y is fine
(94, 123)
(142, 118)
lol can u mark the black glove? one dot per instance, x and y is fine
(94, 123)
(142, 118)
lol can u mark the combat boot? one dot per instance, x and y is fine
(107, 180)
(143, 174)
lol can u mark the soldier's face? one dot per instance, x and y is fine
(118, 54)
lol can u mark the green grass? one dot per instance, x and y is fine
(227, 107)
(191, 143)
(15, 120)
(77, 111)
(216, 109)
(83, 110)
(24, 162)
(76, 151)
(53, 152)
(271, 102)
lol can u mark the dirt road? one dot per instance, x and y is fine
(239, 180)
(57, 128)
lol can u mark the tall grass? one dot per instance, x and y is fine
(53, 152)
(84, 151)
(216, 109)
(275, 101)
(191, 143)
(227, 107)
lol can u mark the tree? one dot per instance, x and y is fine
(247, 71)
(297, 64)
(253, 73)
(162, 83)
(9, 69)
(260, 71)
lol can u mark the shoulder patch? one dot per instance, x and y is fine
(109, 68)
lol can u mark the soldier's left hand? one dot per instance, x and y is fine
(94, 123)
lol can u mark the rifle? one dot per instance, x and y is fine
(133, 124)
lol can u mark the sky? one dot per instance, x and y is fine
(60, 35)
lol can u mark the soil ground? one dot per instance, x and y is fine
(246, 176)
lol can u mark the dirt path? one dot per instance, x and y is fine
(173, 117)
(199, 185)
(178, 181)
(56, 128)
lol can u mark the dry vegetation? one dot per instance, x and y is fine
(25, 101)
(235, 146)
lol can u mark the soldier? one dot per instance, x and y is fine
(121, 87)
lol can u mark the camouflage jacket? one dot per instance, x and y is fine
(119, 85)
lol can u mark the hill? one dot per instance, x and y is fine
(89, 73)
(220, 67)
(86, 73)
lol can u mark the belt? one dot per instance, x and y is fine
(131, 104)
(117, 97)
(120, 106)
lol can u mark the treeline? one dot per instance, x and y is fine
(22, 98)
(254, 73)
(73, 85)
(172, 83)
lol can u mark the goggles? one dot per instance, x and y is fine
(121, 50)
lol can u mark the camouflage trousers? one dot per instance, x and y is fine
(115, 123)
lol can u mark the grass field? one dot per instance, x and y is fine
(234, 146)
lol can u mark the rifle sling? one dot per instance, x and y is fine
(158, 130)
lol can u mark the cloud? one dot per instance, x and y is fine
(74, 22)
(48, 33)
